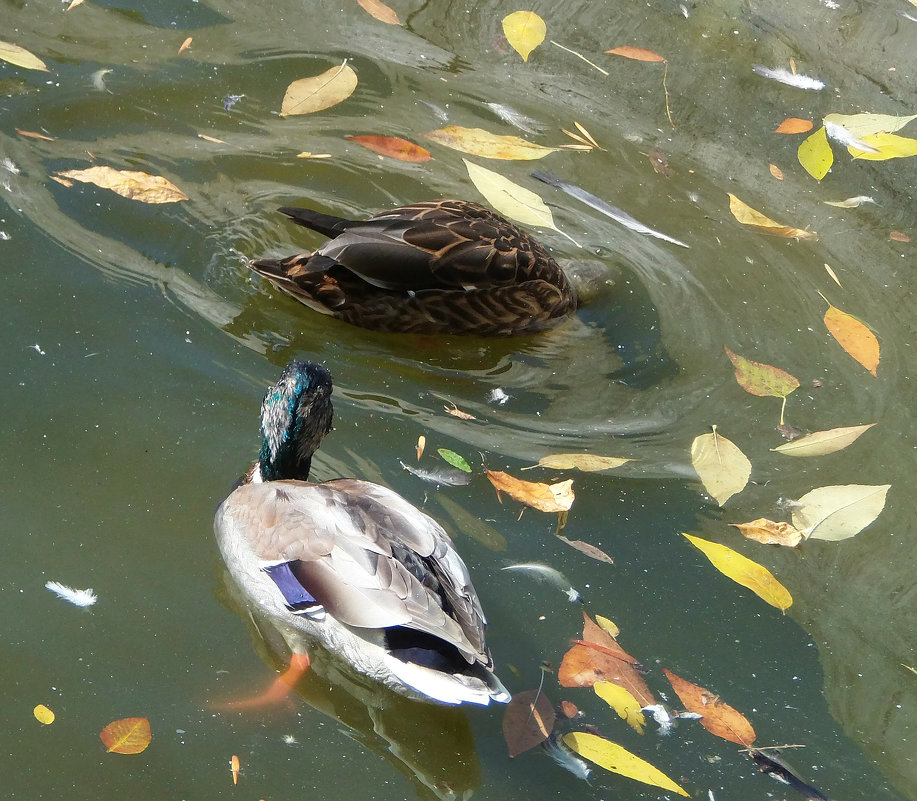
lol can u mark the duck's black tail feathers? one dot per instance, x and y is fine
(325, 224)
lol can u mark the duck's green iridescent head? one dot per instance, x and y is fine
(296, 414)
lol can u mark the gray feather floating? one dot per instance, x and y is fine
(550, 576)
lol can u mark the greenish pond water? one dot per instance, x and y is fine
(138, 346)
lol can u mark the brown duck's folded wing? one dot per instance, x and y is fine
(364, 553)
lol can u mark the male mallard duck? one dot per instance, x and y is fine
(437, 267)
(351, 564)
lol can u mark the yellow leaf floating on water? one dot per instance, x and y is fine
(380, 11)
(587, 462)
(127, 736)
(744, 571)
(613, 757)
(854, 337)
(524, 30)
(816, 155)
(131, 184)
(770, 533)
(43, 714)
(839, 512)
(818, 443)
(746, 215)
(723, 469)
(510, 199)
(478, 142)
(20, 57)
(308, 95)
(761, 379)
(887, 146)
(622, 702)
(544, 497)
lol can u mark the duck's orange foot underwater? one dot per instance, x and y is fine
(279, 689)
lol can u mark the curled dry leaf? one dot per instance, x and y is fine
(527, 721)
(716, 717)
(185, 45)
(839, 512)
(793, 125)
(393, 147)
(854, 337)
(131, 184)
(770, 533)
(478, 142)
(33, 135)
(761, 379)
(378, 10)
(722, 468)
(622, 702)
(127, 736)
(544, 497)
(308, 95)
(616, 759)
(744, 571)
(20, 57)
(818, 443)
(746, 215)
(636, 53)
(524, 30)
(421, 444)
(588, 462)
(235, 768)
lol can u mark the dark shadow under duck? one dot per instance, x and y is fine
(435, 267)
(351, 564)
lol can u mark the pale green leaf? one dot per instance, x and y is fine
(818, 443)
(20, 57)
(866, 124)
(454, 459)
(723, 469)
(839, 512)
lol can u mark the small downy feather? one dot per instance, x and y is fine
(76, 597)
(564, 757)
(551, 576)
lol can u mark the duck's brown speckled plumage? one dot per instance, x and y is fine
(443, 267)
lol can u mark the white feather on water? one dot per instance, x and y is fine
(76, 597)
(550, 576)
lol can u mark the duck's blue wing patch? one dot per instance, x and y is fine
(297, 597)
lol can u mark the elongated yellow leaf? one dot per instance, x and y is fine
(761, 379)
(818, 443)
(131, 184)
(43, 714)
(588, 462)
(839, 512)
(865, 124)
(319, 92)
(613, 757)
(524, 30)
(746, 215)
(723, 469)
(816, 155)
(20, 57)
(479, 142)
(622, 702)
(744, 571)
(854, 337)
(887, 146)
(508, 198)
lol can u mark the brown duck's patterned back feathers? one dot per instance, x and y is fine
(445, 266)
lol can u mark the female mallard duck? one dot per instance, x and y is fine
(438, 267)
(352, 564)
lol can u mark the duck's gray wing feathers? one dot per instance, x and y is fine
(365, 554)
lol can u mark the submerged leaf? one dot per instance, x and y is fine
(524, 30)
(818, 443)
(716, 717)
(744, 571)
(131, 184)
(478, 142)
(616, 759)
(127, 736)
(318, 92)
(472, 525)
(722, 468)
(839, 512)
(527, 721)
(544, 497)
(761, 379)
